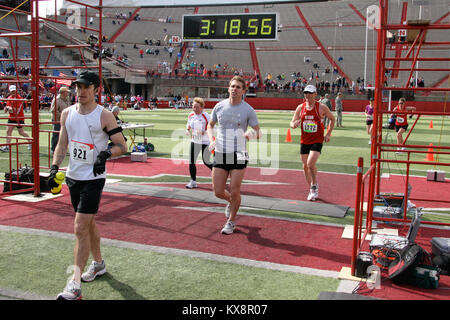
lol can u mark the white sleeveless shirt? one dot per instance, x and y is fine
(86, 140)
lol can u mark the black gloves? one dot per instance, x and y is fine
(51, 178)
(100, 162)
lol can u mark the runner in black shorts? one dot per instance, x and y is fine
(86, 129)
(233, 116)
(85, 195)
(14, 106)
(308, 117)
(401, 122)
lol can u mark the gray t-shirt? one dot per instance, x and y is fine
(326, 102)
(232, 121)
(338, 104)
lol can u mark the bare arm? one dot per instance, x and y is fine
(210, 130)
(256, 135)
(295, 122)
(210, 133)
(63, 141)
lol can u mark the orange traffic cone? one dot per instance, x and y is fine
(288, 136)
(430, 154)
(431, 124)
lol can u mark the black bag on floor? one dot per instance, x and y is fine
(26, 174)
(442, 261)
(400, 270)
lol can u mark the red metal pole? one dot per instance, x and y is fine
(374, 181)
(35, 94)
(356, 225)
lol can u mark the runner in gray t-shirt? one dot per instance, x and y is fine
(233, 122)
(233, 117)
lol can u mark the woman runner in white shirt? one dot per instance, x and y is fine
(196, 126)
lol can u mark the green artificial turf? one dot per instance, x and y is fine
(38, 264)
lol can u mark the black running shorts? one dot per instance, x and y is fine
(230, 161)
(18, 122)
(85, 195)
(397, 128)
(306, 148)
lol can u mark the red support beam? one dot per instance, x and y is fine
(438, 21)
(357, 12)
(438, 83)
(321, 46)
(398, 51)
(254, 57)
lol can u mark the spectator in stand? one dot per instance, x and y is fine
(421, 82)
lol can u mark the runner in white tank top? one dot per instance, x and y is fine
(85, 129)
(86, 140)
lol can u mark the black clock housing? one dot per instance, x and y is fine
(230, 27)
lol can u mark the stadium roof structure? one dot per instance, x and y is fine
(187, 3)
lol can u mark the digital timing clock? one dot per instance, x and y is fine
(229, 27)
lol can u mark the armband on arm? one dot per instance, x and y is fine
(114, 131)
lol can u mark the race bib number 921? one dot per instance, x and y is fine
(82, 152)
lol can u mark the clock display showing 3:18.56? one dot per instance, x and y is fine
(245, 26)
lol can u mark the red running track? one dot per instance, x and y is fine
(334, 188)
(160, 222)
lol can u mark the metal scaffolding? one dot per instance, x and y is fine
(26, 26)
(415, 39)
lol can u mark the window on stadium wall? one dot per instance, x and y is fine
(191, 92)
(176, 91)
(203, 92)
(220, 93)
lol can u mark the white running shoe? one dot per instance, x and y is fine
(95, 269)
(191, 184)
(227, 211)
(4, 149)
(72, 291)
(313, 193)
(228, 228)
